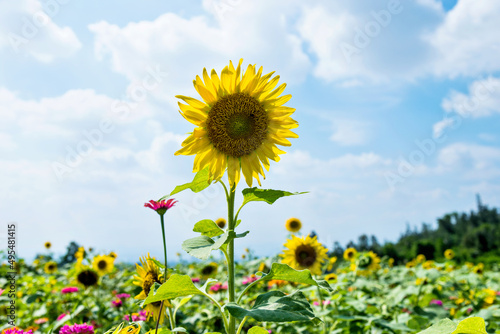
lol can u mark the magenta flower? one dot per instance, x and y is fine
(62, 316)
(249, 279)
(161, 206)
(77, 329)
(116, 303)
(123, 295)
(436, 302)
(69, 289)
(195, 280)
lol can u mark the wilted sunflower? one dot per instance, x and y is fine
(350, 253)
(305, 253)
(238, 124)
(48, 245)
(209, 270)
(293, 224)
(50, 267)
(221, 222)
(103, 264)
(87, 277)
(449, 254)
(148, 275)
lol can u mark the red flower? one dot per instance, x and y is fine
(161, 206)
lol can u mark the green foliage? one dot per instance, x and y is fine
(266, 195)
(473, 325)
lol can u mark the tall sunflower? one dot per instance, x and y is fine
(293, 224)
(305, 253)
(238, 124)
(148, 275)
(103, 264)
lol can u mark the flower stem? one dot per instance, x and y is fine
(230, 251)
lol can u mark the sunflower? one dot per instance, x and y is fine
(449, 254)
(293, 224)
(50, 267)
(80, 254)
(209, 270)
(113, 255)
(48, 245)
(367, 262)
(479, 269)
(420, 258)
(103, 264)
(87, 277)
(221, 222)
(350, 253)
(238, 124)
(331, 262)
(305, 253)
(132, 329)
(148, 275)
(331, 277)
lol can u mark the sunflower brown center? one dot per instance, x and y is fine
(207, 270)
(305, 255)
(87, 277)
(237, 124)
(294, 224)
(148, 282)
(102, 265)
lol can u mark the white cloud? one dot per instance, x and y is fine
(26, 26)
(350, 132)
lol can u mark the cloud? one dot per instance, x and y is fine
(350, 132)
(26, 26)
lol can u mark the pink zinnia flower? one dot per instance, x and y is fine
(69, 289)
(195, 280)
(249, 279)
(123, 295)
(15, 330)
(436, 302)
(1, 291)
(316, 303)
(41, 321)
(161, 206)
(76, 328)
(116, 303)
(62, 316)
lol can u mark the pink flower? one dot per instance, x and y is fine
(62, 316)
(116, 303)
(436, 302)
(217, 287)
(123, 295)
(15, 330)
(69, 289)
(161, 206)
(195, 280)
(141, 316)
(249, 279)
(1, 291)
(316, 303)
(76, 328)
(498, 293)
(41, 321)
(326, 302)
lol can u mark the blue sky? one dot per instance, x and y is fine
(398, 106)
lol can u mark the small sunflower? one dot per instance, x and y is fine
(420, 258)
(221, 222)
(331, 277)
(80, 254)
(331, 262)
(293, 225)
(103, 264)
(148, 275)
(48, 245)
(449, 254)
(113, 255)
(479, 269)
(87, 277)
(367, 262)
(209, 270)
(238, 124)
(305, 253)
(50, 267)
(350, 253)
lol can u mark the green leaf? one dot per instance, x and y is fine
(176, 286)
(472, 325)
(208, 228)
(201, 247)
(257, 330)
(444, 326)
(275, 306)
(267, 195)
(162, 266)
(284, 272)
(200, 182)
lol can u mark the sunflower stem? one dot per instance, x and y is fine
(230, 251)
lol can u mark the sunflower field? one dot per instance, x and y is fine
(239, 123)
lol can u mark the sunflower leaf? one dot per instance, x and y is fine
(276, 306)
(257, 330)
(200, 182)
(267, 195)
(444, 326)
(176, 286)
(208, 228)
(472, 325)
(201, 247)
(283, 272)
